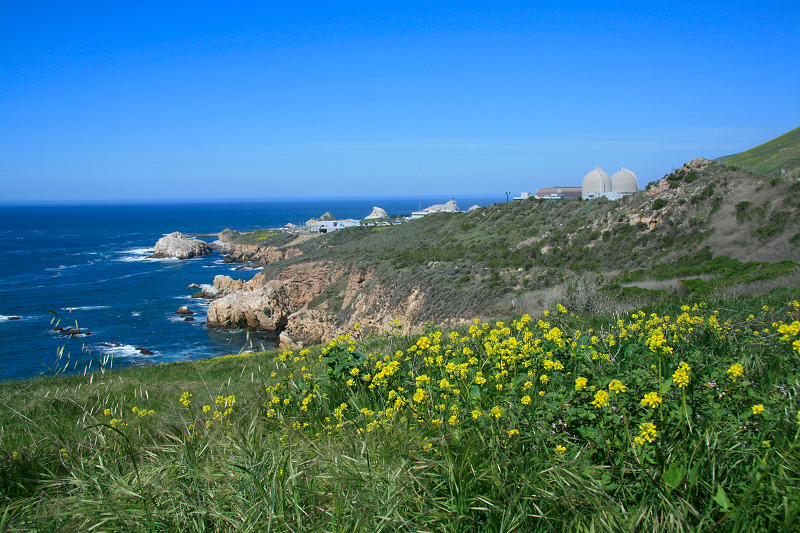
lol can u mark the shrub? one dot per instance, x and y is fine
(658, 203)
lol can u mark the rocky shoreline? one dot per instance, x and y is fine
(290, 304)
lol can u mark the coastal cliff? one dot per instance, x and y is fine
(703, 229)
(310, 302)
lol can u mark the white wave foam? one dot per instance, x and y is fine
(86, 308)
(141, 254)
(60, 268)
(124, 350)
(180, 318)
(135, 313)
(8, 318)
(147, 258)
(246, 269)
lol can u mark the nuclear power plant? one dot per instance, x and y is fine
(597, 183)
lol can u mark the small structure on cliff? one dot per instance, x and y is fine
(559, 193)
(327, 226)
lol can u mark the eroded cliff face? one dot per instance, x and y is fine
(259, 255)
(293, 304)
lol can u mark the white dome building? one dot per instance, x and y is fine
(624, 182)
(595, 183)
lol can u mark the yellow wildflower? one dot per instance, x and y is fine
(647, 433)
(185, 399)
(736, 371)
(512, 432)
(681, 376)
(419, 396)
(476, 413)
(600, 399)
(561, 450)
(651, 399)
(580, 383)
(526, 400)
(616, 386)
(766, 444)
(758, 408)
(496, 411)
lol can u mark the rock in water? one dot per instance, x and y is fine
(377, 212)
(183, 310)
(176, 245)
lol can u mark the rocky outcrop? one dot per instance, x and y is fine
(257, 255)
(377, 212)
(221, 286)
(448, 207)
(328, 216)
(266, 304)
(291, 304)
(178, 246)
(224, 240)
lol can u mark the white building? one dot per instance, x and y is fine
(327, 226)
(598, 183)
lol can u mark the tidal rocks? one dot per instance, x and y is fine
(183, 310)
(144, 351)
(180, 247)
(72, 332)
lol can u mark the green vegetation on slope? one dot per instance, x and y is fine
(473, 264)
(771, 157)
(679, 417)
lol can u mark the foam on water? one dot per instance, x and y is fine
(123, 351)
(86, 308)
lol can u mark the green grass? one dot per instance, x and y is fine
(780, 153)
(297, 441)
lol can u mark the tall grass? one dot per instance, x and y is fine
(487, 428)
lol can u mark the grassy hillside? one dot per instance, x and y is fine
(769, 158)
(487, 262)
(677, 417)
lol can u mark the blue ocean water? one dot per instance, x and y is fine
(87, 267)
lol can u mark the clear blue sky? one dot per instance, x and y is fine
(141, 100)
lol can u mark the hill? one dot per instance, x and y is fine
(704, 228)
(770, 158)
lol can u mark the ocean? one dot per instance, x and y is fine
(87, 267)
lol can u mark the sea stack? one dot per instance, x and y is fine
(180, 247)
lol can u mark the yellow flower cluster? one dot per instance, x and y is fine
(616, 386)
(186, 399)
(647, 434)
(600, 399)
(651, 399)
(509, 379)
(736, 371)
(681, 377)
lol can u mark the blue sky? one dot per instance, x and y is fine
(113, 101)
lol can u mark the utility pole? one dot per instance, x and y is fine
(507, 196)
(419, 180)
